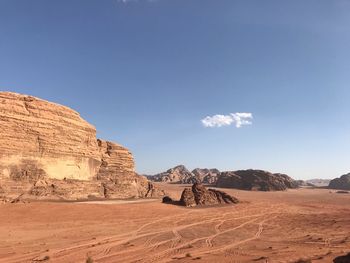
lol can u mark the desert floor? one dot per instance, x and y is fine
(265, 227)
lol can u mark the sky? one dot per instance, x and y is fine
(228, 84)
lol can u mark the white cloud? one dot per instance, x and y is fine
(238, 119)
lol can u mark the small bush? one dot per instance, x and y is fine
(89, 260)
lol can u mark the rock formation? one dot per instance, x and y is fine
(181, 175)
(318, 182)
(49, 151)
(198, 195)
(39, 138)
(342, 183)
(206, 176)
(178, 174)
(342, 259)
(255, 180)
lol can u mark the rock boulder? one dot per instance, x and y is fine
(198, 195)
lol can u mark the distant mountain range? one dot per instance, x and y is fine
(318, 182)
(245, 179)
(181, 175)
(242, 179)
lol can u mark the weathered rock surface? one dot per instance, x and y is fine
(39, 138)
(242, 179)
(178, 174)
(181, 175)
(198, 195)
(341, 183)
(206, 176)
(48, 151)
(255, 180)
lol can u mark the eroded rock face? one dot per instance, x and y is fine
(181, 175)
(49, 151)
(257, 180)
(342, 183)
(178, 174)
(39, 139)
(206, 176)
(198, 195)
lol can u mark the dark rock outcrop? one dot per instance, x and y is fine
(257, 180)
(198, 195)
(167, 200)
(342, 259)
(342, 183)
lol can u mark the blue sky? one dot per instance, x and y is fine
(146, 73)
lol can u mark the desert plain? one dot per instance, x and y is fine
(297, 225)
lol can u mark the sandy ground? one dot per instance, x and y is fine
(264, 227)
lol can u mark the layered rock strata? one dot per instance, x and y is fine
(48, 151)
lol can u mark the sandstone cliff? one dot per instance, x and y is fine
(49, 151)
(39, 138)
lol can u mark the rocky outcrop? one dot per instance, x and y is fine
(181, 175)
(342, 259)
(255, 180)
(198, 195)
(341, 183)
(178, 174)
(206, 176)
(48, 151)
(116, 161)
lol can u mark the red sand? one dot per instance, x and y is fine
(264, 227)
